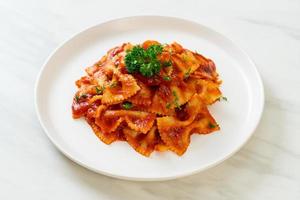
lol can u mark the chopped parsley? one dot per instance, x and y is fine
(211, 125)
(222, 98)
(99, 90)
(167, 78)
(144, 61)
(83, 96)
(168, 105)
(187, 73)
(167, 63)
(77, 98)
(176, 99)
(127, 105)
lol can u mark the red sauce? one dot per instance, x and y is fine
(116, 50)
(175, 133)
(181, 84)
(115, 107)
(149, 81)
(176, 75)
(141, 122)
(207, 69)
(164, 92)
(110, 122)
(83, 81)
(182, 114)
(79, 108)
(90, 113)
(211, 65)
(123, 69)
(177, 47)
(116, 89)
(119, 132)
(164, 57)
(199, 89)
(140, 137)
(199, 117)
(91, 110)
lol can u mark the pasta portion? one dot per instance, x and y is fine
(142, 143)
(121, 87)
(176, 132)
(152, 96)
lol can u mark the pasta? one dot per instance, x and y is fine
(152, 96)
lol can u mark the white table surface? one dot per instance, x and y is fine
(267, 167)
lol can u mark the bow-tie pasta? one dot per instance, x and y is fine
(153, 96)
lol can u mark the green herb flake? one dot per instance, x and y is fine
(211, 125)
(168, 105)
(187, 73)
(77, 98)
(167, 63)
(127, 105)
(144, 61)
(222, 98)
(167, 78)
(176, 99)
(99, 90)
(83, 96)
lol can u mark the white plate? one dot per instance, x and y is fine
(238, 117)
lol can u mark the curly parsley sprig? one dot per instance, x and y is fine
(144, 60)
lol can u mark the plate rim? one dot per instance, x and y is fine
(213, 164)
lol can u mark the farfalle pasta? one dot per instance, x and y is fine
(152, 96)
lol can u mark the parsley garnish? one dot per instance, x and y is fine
(83, 96)
(99, 90)
(127, 105)
(211, 125)
(168, 105)
(176, 99)
(167, 78)
(187, 73)
(77, 98)
(144, 61)
(167, 63)
(222, 98)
